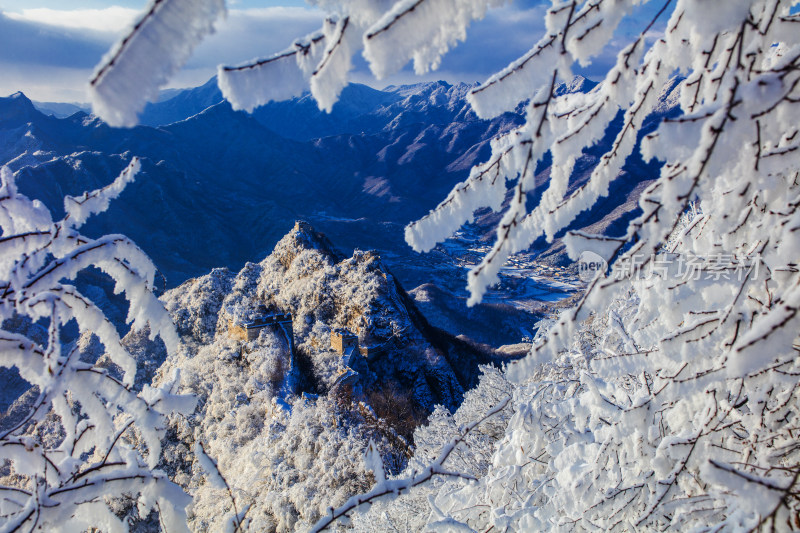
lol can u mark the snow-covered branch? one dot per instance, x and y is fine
(385, 488)
(129, 75)
(86, 451)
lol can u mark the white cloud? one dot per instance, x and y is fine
(50, 53)
(112, 19)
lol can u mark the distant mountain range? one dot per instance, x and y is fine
(219, 187)
(61, 109)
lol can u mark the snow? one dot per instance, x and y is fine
(423, 30)
(374, 463)
(507, 88)
(80, 209)
(213, 476)
(78, 413)
(331, 74)
(278, 77)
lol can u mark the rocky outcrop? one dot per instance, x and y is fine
(287, 431)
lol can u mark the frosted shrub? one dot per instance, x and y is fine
(284, 466)
(72, 451)
(409, 511)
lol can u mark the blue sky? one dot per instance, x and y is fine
(48, 48)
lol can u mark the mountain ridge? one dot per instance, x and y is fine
(251, 181)
(327, 175)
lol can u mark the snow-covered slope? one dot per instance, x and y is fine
(288, 428)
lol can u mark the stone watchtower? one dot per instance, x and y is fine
(342, 340)
(249, 330)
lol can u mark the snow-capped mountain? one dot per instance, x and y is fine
(250, 182)
(324, 291)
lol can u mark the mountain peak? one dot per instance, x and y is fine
(412, 89)
(577, 84)
(176, 105)
(17, 108)
(18, 99)
(304, 237)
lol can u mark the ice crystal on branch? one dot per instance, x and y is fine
(84, 452)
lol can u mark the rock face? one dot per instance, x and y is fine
(307, 277)
(360, 295)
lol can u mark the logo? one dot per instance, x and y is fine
(589, 264)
